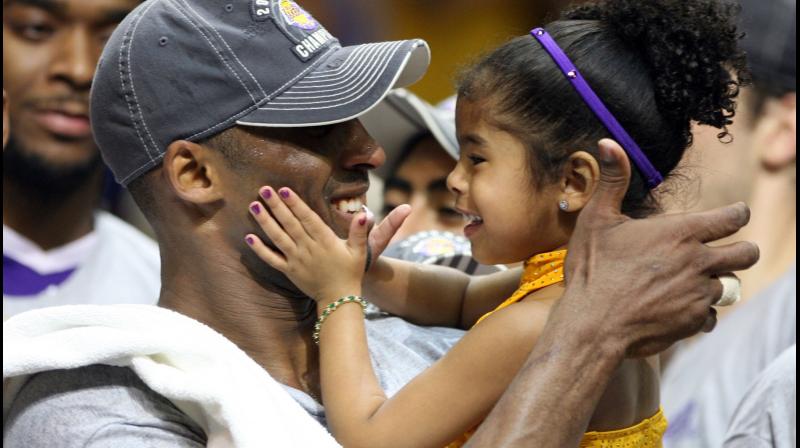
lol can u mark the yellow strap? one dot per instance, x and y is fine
(540, 272)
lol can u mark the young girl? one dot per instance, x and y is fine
(529, 115)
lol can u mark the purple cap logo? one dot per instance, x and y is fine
(297, 16)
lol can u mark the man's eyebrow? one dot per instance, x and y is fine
(398, 184)
(57, 7)
(438, 185)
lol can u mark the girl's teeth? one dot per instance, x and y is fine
(473, 219)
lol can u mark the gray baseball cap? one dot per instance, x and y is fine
(189, 69)
(401, 117)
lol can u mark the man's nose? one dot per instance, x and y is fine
(369, 156)
(75, 63)
(363, 152)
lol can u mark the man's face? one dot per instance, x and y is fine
(326, 166)
(50, 50)
(726, 171)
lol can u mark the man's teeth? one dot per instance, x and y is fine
(350, 205)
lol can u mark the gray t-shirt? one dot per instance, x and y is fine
(767, 416)
(105, 406)
(704, 382)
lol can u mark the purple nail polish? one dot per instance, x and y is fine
(266, 193)
(362, 221)
(255, 208)
(250, 240)
(284, 193)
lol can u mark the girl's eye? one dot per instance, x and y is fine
(476, 159)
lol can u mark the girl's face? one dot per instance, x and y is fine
(509, 219)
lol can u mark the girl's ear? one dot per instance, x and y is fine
(581, 175)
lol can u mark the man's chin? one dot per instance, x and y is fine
(46, 178)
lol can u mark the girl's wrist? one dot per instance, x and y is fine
(328, 296)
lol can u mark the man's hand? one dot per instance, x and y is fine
(649, 282)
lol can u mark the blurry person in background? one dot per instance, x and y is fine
(58, 248)
(704, 381)
(421, 150)
(759, 165)
(767, 415)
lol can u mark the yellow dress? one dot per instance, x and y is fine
(547, 269)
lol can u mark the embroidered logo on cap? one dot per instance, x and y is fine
(308, 36)
(297, 16)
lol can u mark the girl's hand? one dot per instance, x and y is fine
(382, 233)
(309, 253)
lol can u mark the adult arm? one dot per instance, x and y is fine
(633, 287)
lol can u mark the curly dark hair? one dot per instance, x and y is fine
(658, 65)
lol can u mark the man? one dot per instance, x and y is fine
(704, 381)
(58, 248)
(187, 115)
(759, 165)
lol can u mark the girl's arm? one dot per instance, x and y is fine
(437, 406)
(429, 294)
(436, 295)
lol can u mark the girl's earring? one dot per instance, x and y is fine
(563, 205)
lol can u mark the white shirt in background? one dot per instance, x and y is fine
(114, 264)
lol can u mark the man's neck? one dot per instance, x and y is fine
(53, 224)
(273, 330)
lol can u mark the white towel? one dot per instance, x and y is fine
(205, 375)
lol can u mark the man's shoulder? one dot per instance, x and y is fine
(96, 405)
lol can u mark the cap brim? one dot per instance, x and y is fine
(347, 82)
(400, 117)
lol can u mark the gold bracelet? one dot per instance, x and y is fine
(331, 308)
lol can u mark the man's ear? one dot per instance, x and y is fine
(5, 119)
(192, 172)
(776, 133)
(581, 175)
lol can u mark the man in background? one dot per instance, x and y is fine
(58, 248)
(704, 382)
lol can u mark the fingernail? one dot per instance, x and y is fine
(250, 240)
(362, 221)
(266, 193)
(366, 210)
(605, 151)
(284, 193)
(255, 208)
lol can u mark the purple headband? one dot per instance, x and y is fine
(650, 173)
